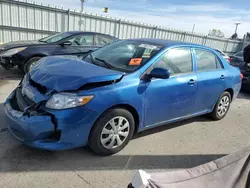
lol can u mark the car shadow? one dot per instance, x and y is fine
(12, 74)
(171, 126)
(16, 157)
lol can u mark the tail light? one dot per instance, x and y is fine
(241, 76)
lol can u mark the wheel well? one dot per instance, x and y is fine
(231, 91)
(36, 55)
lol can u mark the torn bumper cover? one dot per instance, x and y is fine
(45, 129)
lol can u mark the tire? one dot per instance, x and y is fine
(100, 142)
(29, 63)
(21, 68)
(216, 113)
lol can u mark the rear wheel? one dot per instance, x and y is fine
(30, 63)
(112, 131)
(222, 106)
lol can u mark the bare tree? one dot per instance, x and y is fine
(216, 33)
(234, 36)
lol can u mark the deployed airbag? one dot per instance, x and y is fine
(232, 171)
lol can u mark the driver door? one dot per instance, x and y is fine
(81, 44)
(172, 98)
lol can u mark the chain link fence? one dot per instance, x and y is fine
(26, 20)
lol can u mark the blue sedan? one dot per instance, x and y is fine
(121, 89)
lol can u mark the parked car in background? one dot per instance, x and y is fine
(118, 90)
(25, 54)
(237, 60)
(225, 56)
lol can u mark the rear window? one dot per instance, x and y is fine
(220, 52)
(240, 54)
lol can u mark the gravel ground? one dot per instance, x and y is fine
(179, 145)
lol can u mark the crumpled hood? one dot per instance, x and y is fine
(17, 44)
(63, 74)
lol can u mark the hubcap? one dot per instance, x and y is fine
(115, 132)
(32, 65)
(223, 106)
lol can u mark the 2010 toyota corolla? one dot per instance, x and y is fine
(117, 91)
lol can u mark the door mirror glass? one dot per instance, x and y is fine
(66, 43)
(160, 73)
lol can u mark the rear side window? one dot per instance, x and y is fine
(239, 54)
(83, 40)
(206, 60)
(103, 40)
(177, 61)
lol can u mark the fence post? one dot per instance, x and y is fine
(184, 36)
(68, 19)
(225, 46)
(204, 41)
(243, 42)
(118, 28)
(153, 34)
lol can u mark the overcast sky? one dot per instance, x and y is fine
(177, 14)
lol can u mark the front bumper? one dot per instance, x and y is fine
(49, 129)
(11, 61)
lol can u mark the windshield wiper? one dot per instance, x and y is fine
(104, 62)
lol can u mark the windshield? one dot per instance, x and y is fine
(54, 38)
(126, 56)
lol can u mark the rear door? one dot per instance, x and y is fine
(210, 80)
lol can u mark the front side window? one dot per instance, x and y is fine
(177, 61)
(126, 55)
(82, 40)
(55, 38)
(206, 60)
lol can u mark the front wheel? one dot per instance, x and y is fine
(30, 64)
(112, 131)
(222, 106)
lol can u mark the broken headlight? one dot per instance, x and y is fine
(67, 100)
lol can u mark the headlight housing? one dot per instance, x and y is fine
(12, 51)
(67, 100)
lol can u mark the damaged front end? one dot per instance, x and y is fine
(34, 125)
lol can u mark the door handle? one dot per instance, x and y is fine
(222, 77)
(191, 82)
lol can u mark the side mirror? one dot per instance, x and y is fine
(66, 43)
(160, 73)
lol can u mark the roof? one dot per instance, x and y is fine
(86, 32)
(166, 43)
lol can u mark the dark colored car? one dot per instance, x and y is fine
(25, 54)
(237, 60)
(118, 90)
